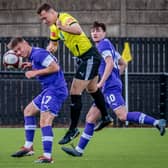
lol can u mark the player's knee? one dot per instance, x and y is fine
(27, 112)
(76, 89)
(44, 123)
(93, 115)
(41, 124)
(121, 114)
(46, 119)
(90, 119)
(30, 110)
(122, 117)
(91, 90)
(75, 92)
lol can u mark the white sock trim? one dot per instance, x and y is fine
(47, 155)
(30, 127)
(79, 149)
(28, 144)
(47, 138)
(156, 122)
(86, 136)
(142, 118)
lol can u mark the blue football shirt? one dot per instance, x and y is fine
(40, 59)
(106, 48)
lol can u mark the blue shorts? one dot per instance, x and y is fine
(113, 98)
(51, 99)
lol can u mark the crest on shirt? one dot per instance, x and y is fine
(53, 34)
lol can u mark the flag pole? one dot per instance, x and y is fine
(126, 55)
(126, 92)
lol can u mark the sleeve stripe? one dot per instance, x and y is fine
(47, 61)
(106, 53)
(54, 39)
(72, 23)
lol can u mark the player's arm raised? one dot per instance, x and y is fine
(51, 67)
(70, 28)
(26, 65)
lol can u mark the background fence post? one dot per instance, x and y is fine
(162, 96)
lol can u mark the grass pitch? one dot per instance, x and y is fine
(109, 148)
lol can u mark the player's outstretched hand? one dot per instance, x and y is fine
(30, 74)
(26, 65)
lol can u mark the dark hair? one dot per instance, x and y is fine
(14, 42)
(96, 24)
(44, 6)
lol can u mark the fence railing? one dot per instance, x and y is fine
(148, 81)
(150, 55)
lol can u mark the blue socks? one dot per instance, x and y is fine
(85, 137)
(30, 126)
(136, 117)
(141, 118)
(47, 135)
(47, 139)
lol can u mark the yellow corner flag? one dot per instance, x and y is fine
(126, 54)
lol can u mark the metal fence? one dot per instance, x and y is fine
(17, 91)
(148, 82)
(150, 55)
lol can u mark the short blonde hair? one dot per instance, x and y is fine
(14, 42)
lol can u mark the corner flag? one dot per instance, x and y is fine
(126, 54)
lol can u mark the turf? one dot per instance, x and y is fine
(110, 148)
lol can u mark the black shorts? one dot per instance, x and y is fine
(88, 64)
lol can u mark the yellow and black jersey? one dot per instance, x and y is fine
(77, 44)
